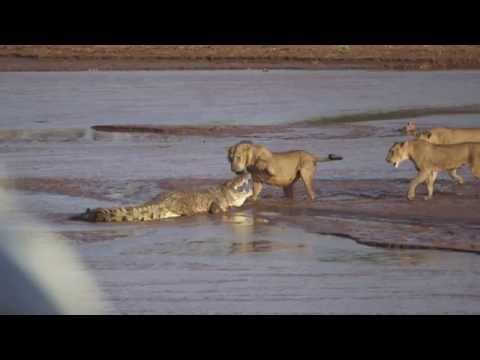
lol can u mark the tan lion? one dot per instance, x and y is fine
(445, 136)
(430, 159)
(281, 169)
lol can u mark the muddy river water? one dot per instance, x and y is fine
(274, 257)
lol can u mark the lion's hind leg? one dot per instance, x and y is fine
(453, 174)
(430, 184)
(307, 173)
(476, 166)
(288, 190)
(476, 171)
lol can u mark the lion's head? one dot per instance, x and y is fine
(425, 136)
(240, 156)
(397, 154)
(410, 128)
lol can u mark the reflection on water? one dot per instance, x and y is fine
(251, 235)
(234, 264)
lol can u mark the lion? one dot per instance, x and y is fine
(281, 169)
(217, 199)
(445, 136)
(429, 159)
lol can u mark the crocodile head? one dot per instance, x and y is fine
(239, 189)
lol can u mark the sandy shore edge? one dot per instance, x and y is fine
(311, 57)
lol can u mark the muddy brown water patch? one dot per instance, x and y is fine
(295, 131)
(372, 231)
(447, 222)
(90, 236)
(103, 189)
(395, 114)
(190, 130)
(351, 126)
(71, 187)
(382, 199)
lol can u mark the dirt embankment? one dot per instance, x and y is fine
(160, 57)
(207, 131)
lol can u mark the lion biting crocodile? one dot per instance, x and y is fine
(216, 199)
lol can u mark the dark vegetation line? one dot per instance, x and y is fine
(396, 114)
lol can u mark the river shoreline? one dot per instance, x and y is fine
(315, 57)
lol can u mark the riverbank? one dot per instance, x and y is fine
(213, 57)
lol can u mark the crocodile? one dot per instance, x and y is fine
(214, 200)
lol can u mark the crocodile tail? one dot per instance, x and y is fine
(125, 214)
(330, 157)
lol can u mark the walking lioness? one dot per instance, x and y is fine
(216, 199)
(430, 159)
(281, 169)
(445, 136)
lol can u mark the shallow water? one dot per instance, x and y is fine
(240, 263)
(81, 99)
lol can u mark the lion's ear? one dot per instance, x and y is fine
(250, 156)
(263, 154)
(230, 151)
(429, 134)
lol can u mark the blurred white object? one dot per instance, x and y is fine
(39, 272)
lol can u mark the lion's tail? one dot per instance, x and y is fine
(330, 157)
(123, 214)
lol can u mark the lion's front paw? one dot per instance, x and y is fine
(411, 197)
(427, 198)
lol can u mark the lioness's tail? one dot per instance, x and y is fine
(123, 214)
(330, 157)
